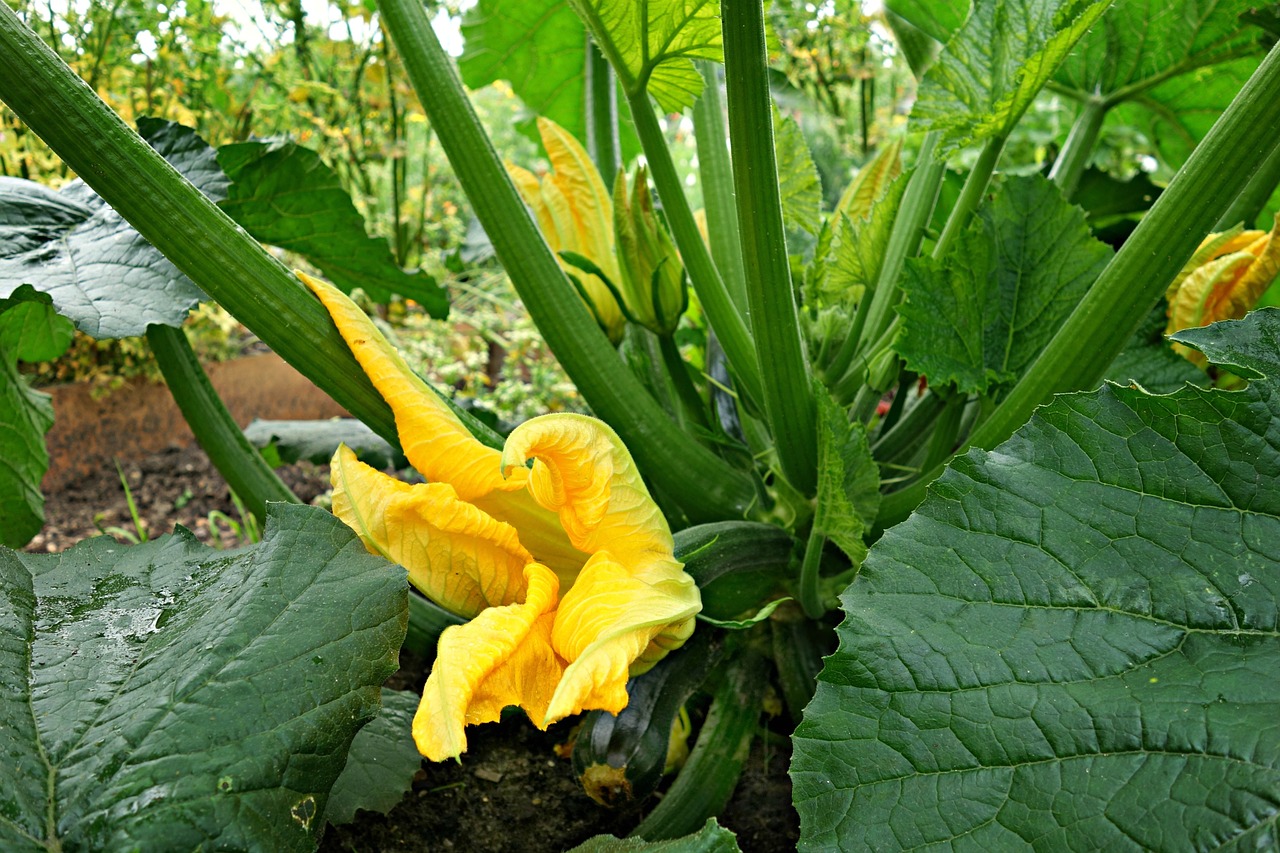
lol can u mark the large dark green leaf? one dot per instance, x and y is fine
(1073, 643)
(316, 441)
(992, 68)
(167, 696)
(1171, 69)
(381, 763)
(285, 195)
(30, 330)
(100, 272)
(981, 315)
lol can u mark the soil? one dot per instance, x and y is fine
(510, 792)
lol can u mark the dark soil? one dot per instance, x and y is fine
(511, 792)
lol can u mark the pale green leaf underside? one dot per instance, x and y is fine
(167, 696)
(538, 46)
(651, 44)
(994, 65)
(981, 315)
(100, 272)
(1073, 643)
(1169, 69)
(1140, 42)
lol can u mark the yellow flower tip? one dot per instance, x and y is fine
(501, 657)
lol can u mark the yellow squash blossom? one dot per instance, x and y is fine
(575, 214)
(1224, 279)
(565, 568)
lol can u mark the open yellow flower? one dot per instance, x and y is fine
(574, 211)
(1224, 279)
(565, 569)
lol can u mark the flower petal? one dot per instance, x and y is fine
(592, 206)
(508, 645)
(433, 437)
(583, 472)
(459, 556)
(618, 621)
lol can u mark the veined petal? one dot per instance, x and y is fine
(583, 472)
(434, 440)
(460, 557)
(530, 189)
(579, 181)
(618, 621)
(467, 656)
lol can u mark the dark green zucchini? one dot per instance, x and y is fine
(621, 759)
(708, 778)
(738, 565)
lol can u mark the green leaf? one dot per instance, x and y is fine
(1172, 70)
(1250, 348)
(981, 314)
(848, 479)
(651, 45)
(168, 696)
(712, 838)
(939, 19)
(285, 195)
(1073, 643)
(316, 441)
(536, 46)
(798, 183)
(381, 763)
(995, 64)
(1177, 114)
(99, 271)
(25, 416)
(750, 622)
(1151, 363)
(30, 329)
(861, 248)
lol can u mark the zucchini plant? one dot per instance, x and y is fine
(1000, 605)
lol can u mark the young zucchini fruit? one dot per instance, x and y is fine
(621, 759)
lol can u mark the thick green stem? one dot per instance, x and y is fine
(691, 404)
(716, 172)
(975, 186)
(918, 201)
(602, 114)
(907, 434)
(788, 394)
(180, 221)
(722, 313)
(239, 462)
(1079, 354)
(1255, 195)
(706, 486)
(1076, 151)
(810, 595)
(946, 430)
